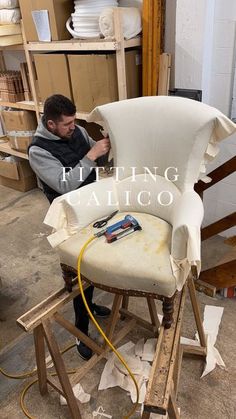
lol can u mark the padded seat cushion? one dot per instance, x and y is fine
(139, 261)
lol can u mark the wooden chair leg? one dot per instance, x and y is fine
(40, 359)
(60, 369)
(168, 310)
(196, 311)
(125, 305)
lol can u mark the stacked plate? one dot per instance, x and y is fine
(85, 19)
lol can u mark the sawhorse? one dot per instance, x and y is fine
(164, 377)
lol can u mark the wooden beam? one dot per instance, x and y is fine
(196, 311)
(60, 369)
(77, 333)
(219, 226)
(222, 276)
(217, 175)
(40, 359)
(48, 307)
(163, 367)
(164, 74)
(208, 289)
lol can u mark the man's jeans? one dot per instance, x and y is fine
(81, 314)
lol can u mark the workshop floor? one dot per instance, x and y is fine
(29, 272)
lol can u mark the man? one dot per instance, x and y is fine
(60, 152)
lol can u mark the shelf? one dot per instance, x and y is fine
(19, 47)
(82, 45)
(26, 105)
(5, 148)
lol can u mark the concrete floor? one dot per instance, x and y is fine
(29, 271)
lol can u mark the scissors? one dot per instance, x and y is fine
(102, 223)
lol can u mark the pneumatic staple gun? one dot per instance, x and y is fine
(127, 226)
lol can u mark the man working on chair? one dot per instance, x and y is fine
(63, 157)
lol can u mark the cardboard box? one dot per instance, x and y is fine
(20, 127)
(53, 75)
(58, 11)
(94, 78)
(17, 175)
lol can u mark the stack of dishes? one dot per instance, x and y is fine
(85, 19)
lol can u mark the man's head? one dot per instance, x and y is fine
(59, 115)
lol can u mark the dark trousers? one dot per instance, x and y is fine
(81, 314)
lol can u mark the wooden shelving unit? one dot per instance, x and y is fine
(118, 44)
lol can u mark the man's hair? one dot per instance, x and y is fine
(57, 105)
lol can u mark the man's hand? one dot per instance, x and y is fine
(99, 149)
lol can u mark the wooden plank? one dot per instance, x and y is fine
(120, 55)
(173, 412)
(155, 22)
(25, 105)
(141, 322)
(40, 359)
(48, 307)
(77, 333)
(177, 369)
(208, 289)
(219, 226)
(114, 316)
(31, 74)
(162, 372)
(6, 148)
(196, 312)
(145, 47)
(164, 74)
(194, 350)
(156, 44)
(2, 62)
(221, 276)
(55, 385)
(153, 312)
(60, 369)
(150, 47)
(217, 175)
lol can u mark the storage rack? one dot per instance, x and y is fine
(118, 44)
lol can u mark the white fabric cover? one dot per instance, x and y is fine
(155, 133)
(130, 18)
(8, 16)
(9, 4)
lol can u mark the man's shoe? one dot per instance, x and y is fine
(84, 351)
(101, 311)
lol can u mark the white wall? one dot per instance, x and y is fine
(205, 59)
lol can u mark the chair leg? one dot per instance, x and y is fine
(68, 276)
(125, 305)
(168, 309)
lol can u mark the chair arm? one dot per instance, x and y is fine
(186, 235)
(75, 210)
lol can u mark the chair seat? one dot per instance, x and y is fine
(138, 262)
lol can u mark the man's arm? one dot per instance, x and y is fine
(50, 170)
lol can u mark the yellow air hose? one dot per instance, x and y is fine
(133, 410)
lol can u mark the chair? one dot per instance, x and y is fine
(161, 146)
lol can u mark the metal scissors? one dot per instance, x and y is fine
(102, 223)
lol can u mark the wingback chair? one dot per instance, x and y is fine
(160, 147)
